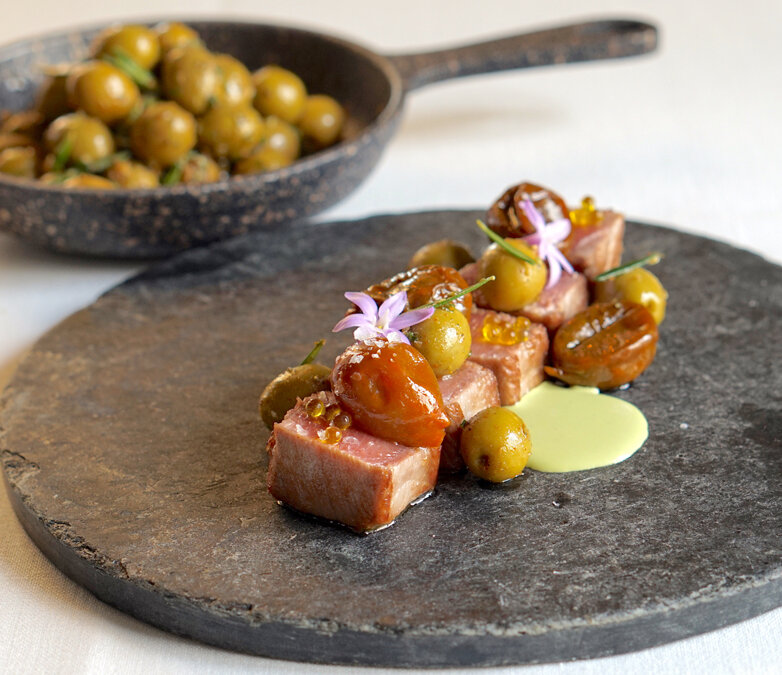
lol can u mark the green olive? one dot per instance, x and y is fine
(279, 92)
(89, 138)
(52, 98)
(445, 252)
(263, 159)
(281, 393)
(128, 174)
(138, 42)
(88, 180)
(232, 132)
(101, 90)
(236, 84)
(191, 77)
(200, 169)
(517, 283)
(444, 340)
(19, 162)
(163, 134)
(639, 286)
(172, 35)
(495, 445)
(282, 137)
(322, 121)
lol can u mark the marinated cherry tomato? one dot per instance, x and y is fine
(605, 346)
(638, 285)
(507, 218)
(444, 252)
(495, 445)
(424, 284)
(391, 391)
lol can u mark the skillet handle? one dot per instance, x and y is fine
(589, 41)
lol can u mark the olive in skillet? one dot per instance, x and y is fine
(496, 445)
(230, 132)
(190, 77)
(606, 345)
(89, 138)
(139, 43)
(517, 283)
(445, 252)
(638, 285)
(129, 174)
(321, 121)
(444, 340)
(281, 393)
(199, 168)
(236, 84)
(263, 159)
(20, 162)
(282, 137)
(101, 90)
(163, 134)
(175, 34)
(88, 180)
(52, 98)
(279, 92)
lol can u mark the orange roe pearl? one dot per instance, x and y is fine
(314, 407)
(332, 411)
(499, 330)
(342, 421)
(586, 215)
(330, 435)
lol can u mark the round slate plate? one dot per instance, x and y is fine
(134, 458)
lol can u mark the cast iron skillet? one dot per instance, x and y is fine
(158, 222)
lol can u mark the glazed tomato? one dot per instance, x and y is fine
(507, 218)
(605, 346)
(391, 391)
(424, 284)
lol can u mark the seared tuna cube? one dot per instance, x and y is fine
(557, 304)
(553, 306)
(466, 392)
(596, 248)
(361, 481)
(518, 366)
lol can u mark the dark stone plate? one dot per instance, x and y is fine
(134, 459)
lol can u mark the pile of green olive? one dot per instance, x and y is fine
(153, 106)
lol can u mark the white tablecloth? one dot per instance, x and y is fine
(689, 137)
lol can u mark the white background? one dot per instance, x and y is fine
(689, 137)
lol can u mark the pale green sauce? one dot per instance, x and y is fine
(577, 428)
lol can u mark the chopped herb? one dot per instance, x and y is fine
(651, 259)
(104, 163)
(497, 239)
(119, 58)
(314, 353)
(174, 174)
(62, 153)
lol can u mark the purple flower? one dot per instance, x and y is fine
(546, 238)
(386, 321)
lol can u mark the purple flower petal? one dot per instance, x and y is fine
(411, 318)
(391, 308)
(558, 230)
(365, 303)
(534, 216)
(396, 336)
(366, 332)
(351, 321)
(562, 259)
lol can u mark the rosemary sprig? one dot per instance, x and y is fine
(314, 353)
(459, 294)
(497, 239)
(119, 58)
(651, 259)
(62, 153)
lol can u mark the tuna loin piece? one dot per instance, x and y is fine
(362, 481)
(596, 248)
(466, 392)
(519, 367)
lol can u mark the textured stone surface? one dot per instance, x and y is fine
(134, 457)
